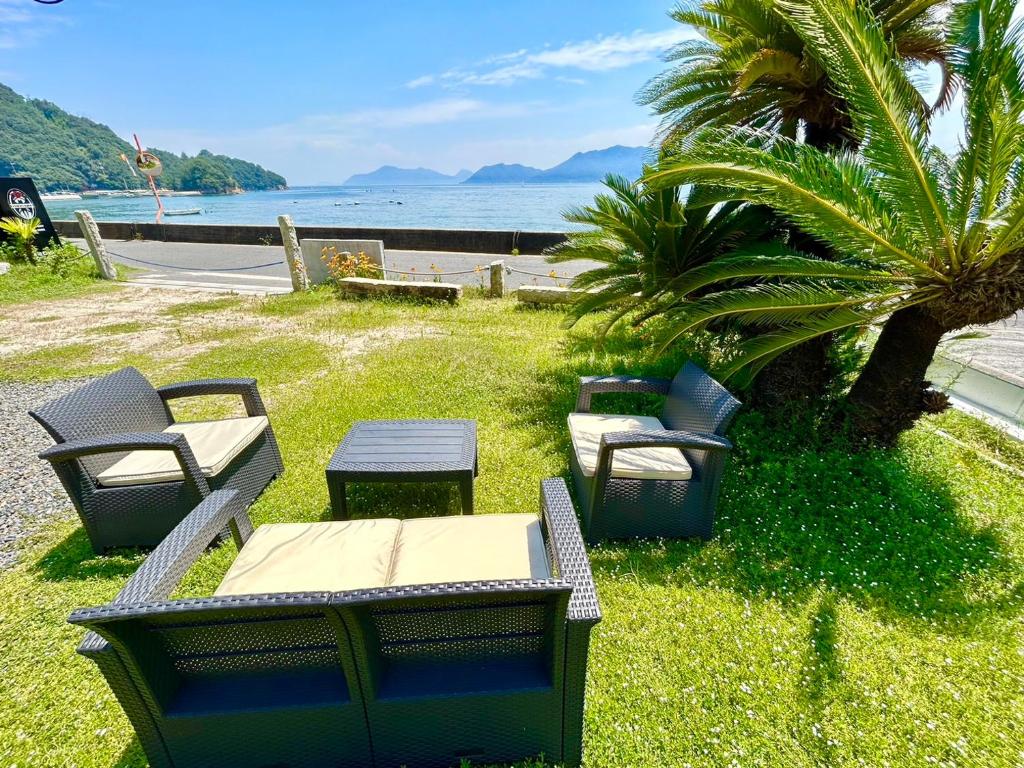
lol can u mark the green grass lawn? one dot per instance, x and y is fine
(853, 610)
(25, 282)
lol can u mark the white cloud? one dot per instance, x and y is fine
(601, 54)
(613, 52)
(23, 23)
(325, 148)
(419, 82)
(426, 113)
(510, 73)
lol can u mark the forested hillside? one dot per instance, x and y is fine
(62, 151)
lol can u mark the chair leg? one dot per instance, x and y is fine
(466, 492)
(339, 508)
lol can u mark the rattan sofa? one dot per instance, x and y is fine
(132, 472)
(645, 477)
(396, 675)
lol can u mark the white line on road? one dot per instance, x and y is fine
(239, 277)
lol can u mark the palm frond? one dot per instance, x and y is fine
(769, 64)
(753, 354)
(884, 107)
(832, 197)
(764, 304)
(772, 260)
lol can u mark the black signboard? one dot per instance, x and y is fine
(19, 198)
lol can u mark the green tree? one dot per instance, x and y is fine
(928, 243)
(646, 241)
(39, 139)
(752, 68)
(205, 175)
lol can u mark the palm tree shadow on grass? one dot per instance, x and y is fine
(552, 396)
(798, 513)
(73, 559)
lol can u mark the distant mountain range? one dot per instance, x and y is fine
(389, 174)
(504, 174)
(580, 168)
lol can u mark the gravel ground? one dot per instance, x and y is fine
(30, 493)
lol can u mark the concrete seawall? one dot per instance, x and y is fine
(448, 240)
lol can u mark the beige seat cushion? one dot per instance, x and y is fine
(434, 550)
(313, 557)
(214, 443)
(362, 554)
(586, 429)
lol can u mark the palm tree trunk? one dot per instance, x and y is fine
(804, 375)
(891, 392)
(798, 378)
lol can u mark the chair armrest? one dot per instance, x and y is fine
(592, 385)
(567, 545)
(133, 441)
(157, 578)
(246, 387)
(661, 438)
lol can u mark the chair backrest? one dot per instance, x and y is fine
(432, 673)
(123, 401)
(243, 681)
(698, 403)
(459, 636)
(462, 671)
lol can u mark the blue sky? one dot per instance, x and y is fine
(321, 89)
(318, 90)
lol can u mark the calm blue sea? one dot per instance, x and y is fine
(534, 207)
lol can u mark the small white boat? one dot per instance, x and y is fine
(184, 212)
(47, 197)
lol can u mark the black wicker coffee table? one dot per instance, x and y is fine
(404, 451)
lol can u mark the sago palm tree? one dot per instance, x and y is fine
(929, 243)
(752, 69)
(644, 241)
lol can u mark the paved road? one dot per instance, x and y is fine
(197, 265)
(1002, 348)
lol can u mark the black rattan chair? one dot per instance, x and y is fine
(696, 413)
(98, 424)
(414, 675)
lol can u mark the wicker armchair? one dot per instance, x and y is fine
(644, 493)
(122, 418)
(414, 675)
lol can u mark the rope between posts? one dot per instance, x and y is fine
(430, 273)
(510, 270)
(193, 269)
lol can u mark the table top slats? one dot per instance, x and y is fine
(390, 448)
